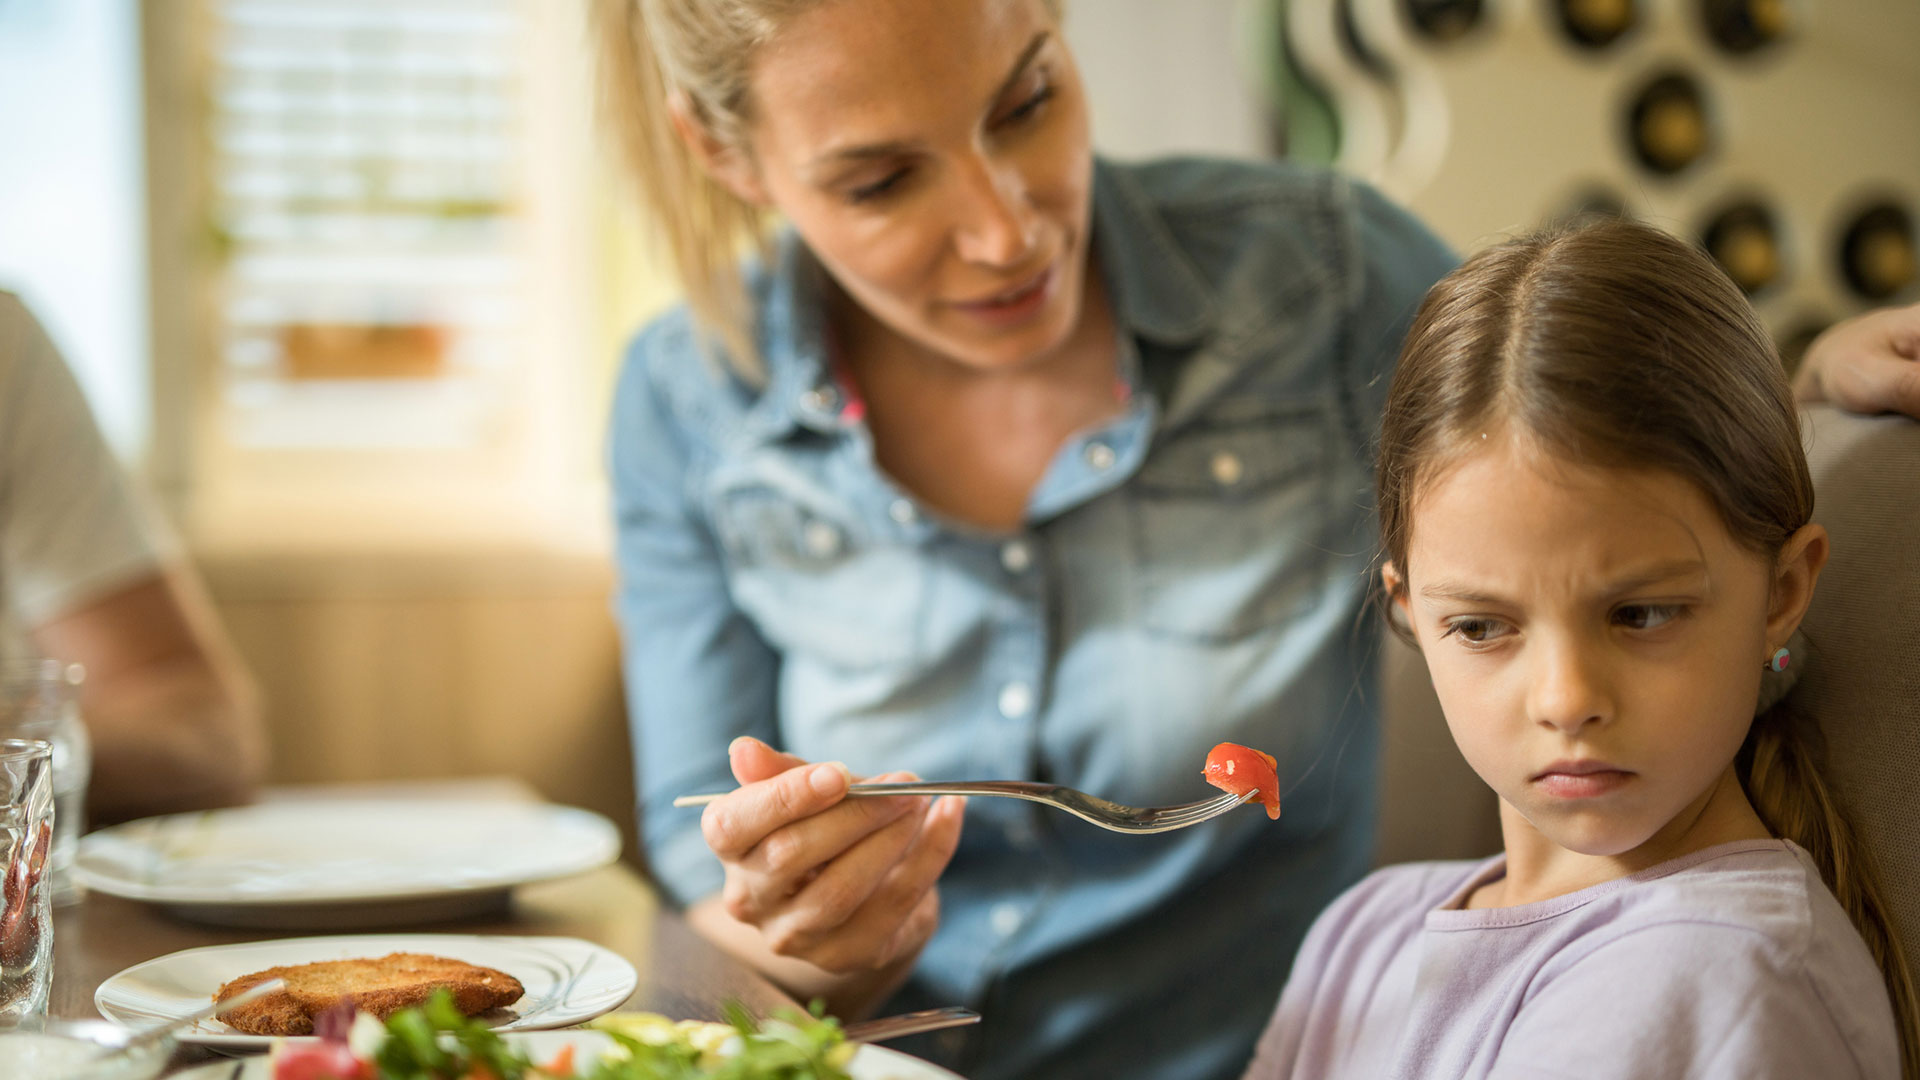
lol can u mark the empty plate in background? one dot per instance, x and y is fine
(339, 863)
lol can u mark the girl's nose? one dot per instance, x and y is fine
(1570, 688)
(996, 226)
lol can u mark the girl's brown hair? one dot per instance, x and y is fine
(1614, 344)
(696, 54)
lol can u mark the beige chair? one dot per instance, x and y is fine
(1860, 679)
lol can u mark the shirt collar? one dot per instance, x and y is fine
(1153, 286)
(791, 330)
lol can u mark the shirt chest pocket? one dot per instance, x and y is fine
(818, 584)
(1233, 525)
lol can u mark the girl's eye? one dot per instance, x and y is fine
(883, 186)
(1647, 616)
(1476, 631)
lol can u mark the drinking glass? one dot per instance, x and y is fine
(40, 699)
(26, 914)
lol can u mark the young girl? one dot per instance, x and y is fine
(1596, 516)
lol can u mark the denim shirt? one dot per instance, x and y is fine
(1190, 572)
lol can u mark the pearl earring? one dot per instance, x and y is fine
(1779, 660)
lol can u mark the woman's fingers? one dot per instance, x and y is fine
(898, 916)
(941, 837)
(764, 879)
(915, 932)
(822, 906)
(742, 818)
(753, 760)
(846, 884)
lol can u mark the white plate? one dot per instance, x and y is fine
(302, 854)
(567, 980)
(871, 1063)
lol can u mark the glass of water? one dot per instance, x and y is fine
(40, 699)
(26, 913)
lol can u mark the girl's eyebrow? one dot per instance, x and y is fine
(1656, 574)
(896, 147)
(1447, 590)
(1660, 573)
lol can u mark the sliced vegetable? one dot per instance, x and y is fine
(561, 1066)
(1239, 769)
(320, 1061)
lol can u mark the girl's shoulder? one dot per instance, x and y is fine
(1401, 896)
(1737, 954)
(1767, 890)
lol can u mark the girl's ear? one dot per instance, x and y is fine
(1794, 575)
(730, 166)
(1396, 587)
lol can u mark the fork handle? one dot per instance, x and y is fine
(1013, 788)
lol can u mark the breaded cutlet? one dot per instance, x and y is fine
(275, 1014)
(379, 987)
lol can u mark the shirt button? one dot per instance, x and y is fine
(1005, 919)
(1015, 699)
(822, 539)
(820, 399)
(1227, 469)
(1016, 556)
(1100, 456)
(902, 511)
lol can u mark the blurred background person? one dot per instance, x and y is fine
(87, 577)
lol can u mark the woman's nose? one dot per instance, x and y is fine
(1570, 688)
(996, 226)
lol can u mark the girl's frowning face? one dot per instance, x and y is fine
(936, 159)
(1596, 637)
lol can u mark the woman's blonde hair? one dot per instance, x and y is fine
(696, 55)
(1615, 344)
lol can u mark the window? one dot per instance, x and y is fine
(374, 220)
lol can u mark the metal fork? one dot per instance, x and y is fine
(1108, 815)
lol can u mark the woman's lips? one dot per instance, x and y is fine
(1581, 779)
(1012, 305)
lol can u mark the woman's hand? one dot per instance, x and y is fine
(847, 885)
(1867, 364)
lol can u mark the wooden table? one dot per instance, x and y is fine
(681, 975)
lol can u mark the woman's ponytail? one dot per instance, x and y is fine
(705, 225)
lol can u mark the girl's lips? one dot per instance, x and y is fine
(1581, 779)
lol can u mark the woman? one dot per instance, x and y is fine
(1006, 463)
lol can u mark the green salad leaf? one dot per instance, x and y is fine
(415, 1049)
(435, 1042)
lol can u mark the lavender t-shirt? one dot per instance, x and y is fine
(1730, 962)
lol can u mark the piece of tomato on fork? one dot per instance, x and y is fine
(1240, 769)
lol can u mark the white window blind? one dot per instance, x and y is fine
(365, 196)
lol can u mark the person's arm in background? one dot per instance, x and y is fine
(830, 898)
(1867, 364)
(172, 716)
